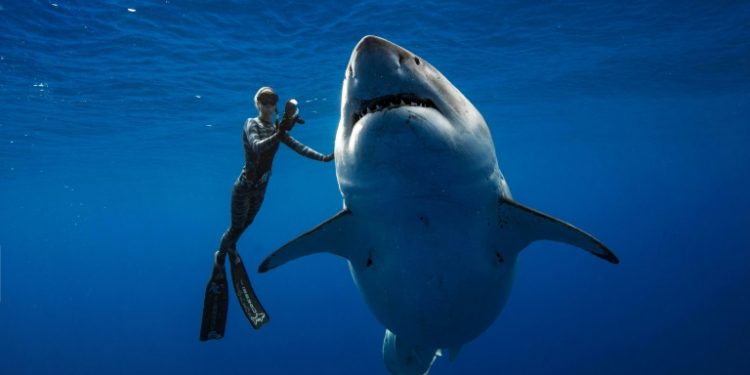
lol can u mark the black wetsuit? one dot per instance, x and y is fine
(261, 143)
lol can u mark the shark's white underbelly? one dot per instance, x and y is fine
(433, 275)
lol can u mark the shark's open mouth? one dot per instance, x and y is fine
(387, 102)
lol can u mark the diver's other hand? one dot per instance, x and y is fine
(290, 108)
(291, 116)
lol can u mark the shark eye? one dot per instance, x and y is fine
(416, 60)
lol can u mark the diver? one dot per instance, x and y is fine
(261, 138)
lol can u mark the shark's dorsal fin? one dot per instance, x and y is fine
(535, 225)
(334, 235)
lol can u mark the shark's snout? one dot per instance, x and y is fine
(382, 76)
(374, 55)
(371, 43)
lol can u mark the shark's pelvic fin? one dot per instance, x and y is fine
(334, 235)
(401, 358)
(535, 225)
(453, 352)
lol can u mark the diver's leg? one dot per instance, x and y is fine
(243, 212)
(251, 306)
(216, 299)
(254, 201)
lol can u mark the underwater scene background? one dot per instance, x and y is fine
(120, 125)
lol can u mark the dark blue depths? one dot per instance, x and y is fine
(120, 140)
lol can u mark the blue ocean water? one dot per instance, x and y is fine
(120, 140)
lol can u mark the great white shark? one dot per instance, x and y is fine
(429, 226)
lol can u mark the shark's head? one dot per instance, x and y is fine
(403, 123)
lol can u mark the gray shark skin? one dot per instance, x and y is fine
(429, 226)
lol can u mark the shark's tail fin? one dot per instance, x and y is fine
(535, 225)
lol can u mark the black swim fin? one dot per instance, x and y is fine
(252, 308)
(215, 303)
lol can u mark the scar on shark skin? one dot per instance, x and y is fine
(425, 220)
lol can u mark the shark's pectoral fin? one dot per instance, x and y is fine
(535, 225)
(333, 236)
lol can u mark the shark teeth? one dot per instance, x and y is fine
(389, 102)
